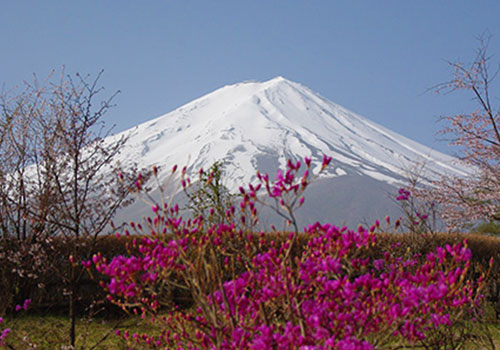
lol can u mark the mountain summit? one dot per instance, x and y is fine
(254, 126)
(259, 125)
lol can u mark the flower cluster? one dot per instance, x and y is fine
(330, 295)
(416, 211)
(25, 305)
(403, 195)
(335, 298)
(4, 334)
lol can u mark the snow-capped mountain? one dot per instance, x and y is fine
(254, 126)
(258, 126)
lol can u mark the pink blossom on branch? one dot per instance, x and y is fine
(476, 135)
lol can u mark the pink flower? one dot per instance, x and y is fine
(326, 161)
(340, 296)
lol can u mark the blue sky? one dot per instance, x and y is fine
(376, 58)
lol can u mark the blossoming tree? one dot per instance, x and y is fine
(477, 135)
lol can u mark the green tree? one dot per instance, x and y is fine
(209, 197)
(491, 227)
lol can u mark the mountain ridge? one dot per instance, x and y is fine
(277, 116)
(257, 126)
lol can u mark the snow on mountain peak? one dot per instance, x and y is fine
(277, 80)
(259, 125)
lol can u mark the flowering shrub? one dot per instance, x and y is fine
(4, 334)
(247, 296)
(416, 211)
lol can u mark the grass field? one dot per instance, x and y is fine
(50, 333)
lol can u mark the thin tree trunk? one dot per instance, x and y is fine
(72, 307)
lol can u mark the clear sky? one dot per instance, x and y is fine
(376, 58)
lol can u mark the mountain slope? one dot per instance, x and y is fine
(259, 125)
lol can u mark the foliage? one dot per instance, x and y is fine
(208, 197)
(491, 228)
(332, 295)
(25, 274)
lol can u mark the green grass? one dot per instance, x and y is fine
(495, 333)
(51, 332)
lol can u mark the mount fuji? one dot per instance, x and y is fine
(257, 126)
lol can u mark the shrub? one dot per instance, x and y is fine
(267, 294)
(490, 228)
(28, 270)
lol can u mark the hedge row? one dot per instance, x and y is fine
(39, 270)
